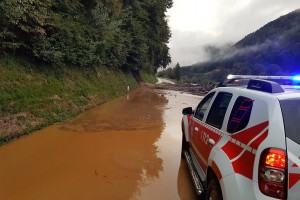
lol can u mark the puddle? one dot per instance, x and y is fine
(128, 148)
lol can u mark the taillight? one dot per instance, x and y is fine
(272, 173)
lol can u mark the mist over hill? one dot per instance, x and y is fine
(274, 49)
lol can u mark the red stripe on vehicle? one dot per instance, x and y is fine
(259, 140)
(295, 165)
(232, 150)
(247, 135)
(240, 154)
(293, 179)
(244, 165)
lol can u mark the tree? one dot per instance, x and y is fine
(20, 23)
(177, 71)
(159, 33)
(146, 23)
(128, 34)
(135, 18)
(170, 73)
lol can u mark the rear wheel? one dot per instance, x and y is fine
(214, 190)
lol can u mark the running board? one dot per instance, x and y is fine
(196, 180)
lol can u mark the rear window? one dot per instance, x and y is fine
(291, 117)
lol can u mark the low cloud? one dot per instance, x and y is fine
(232, 22)
(218, 53)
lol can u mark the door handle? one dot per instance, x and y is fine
(196, 130)
(211, 142)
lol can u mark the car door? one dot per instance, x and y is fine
(210, 130)
(197, 126)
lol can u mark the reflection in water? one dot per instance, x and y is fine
(104, 153)
(173, 182)
(184, 183)
(142, 111)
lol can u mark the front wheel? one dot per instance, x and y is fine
(213, 190)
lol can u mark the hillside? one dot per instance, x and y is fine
(278, 42)
(274, 49)
(32, 97)
(58, 58)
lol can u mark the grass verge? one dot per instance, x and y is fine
(32, 96)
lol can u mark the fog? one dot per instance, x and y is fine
(197, 25)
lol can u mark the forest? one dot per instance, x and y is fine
(123, 34)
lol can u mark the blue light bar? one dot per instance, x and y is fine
(296, 78)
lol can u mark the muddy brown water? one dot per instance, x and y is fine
(128, 148)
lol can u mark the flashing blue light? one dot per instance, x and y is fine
(296, 78)
(297, 87)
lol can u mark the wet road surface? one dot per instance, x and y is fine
(128, 148)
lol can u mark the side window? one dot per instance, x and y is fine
(202, 107)
(218, 110)
(240, 114)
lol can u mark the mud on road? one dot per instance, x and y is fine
(128, 148)
(200, 89)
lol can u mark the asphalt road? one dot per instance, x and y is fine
(128, 148)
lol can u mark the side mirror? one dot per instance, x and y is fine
(187, 111)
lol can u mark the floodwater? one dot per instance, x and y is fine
(128, 148)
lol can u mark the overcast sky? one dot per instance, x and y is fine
(197, 23)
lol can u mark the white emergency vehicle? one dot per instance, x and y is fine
(242, 142)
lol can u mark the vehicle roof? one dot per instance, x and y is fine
(290, 92)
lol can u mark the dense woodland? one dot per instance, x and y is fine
(171, 73)
(272, 50)
(123, 34)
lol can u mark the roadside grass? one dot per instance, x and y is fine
(33, 96)
(148, 78)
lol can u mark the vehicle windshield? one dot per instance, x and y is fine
(291, 117)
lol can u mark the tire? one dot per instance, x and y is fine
(184, 145)
(214, 190)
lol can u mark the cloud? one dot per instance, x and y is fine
(225, 52)
(196, 24)
(188, 46)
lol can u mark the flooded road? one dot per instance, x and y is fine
(128, 148)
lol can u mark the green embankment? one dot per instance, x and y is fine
(32, 96)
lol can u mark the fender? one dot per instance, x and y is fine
(185, 126)
(236, 150)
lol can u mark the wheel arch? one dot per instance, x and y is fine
(211, 175)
